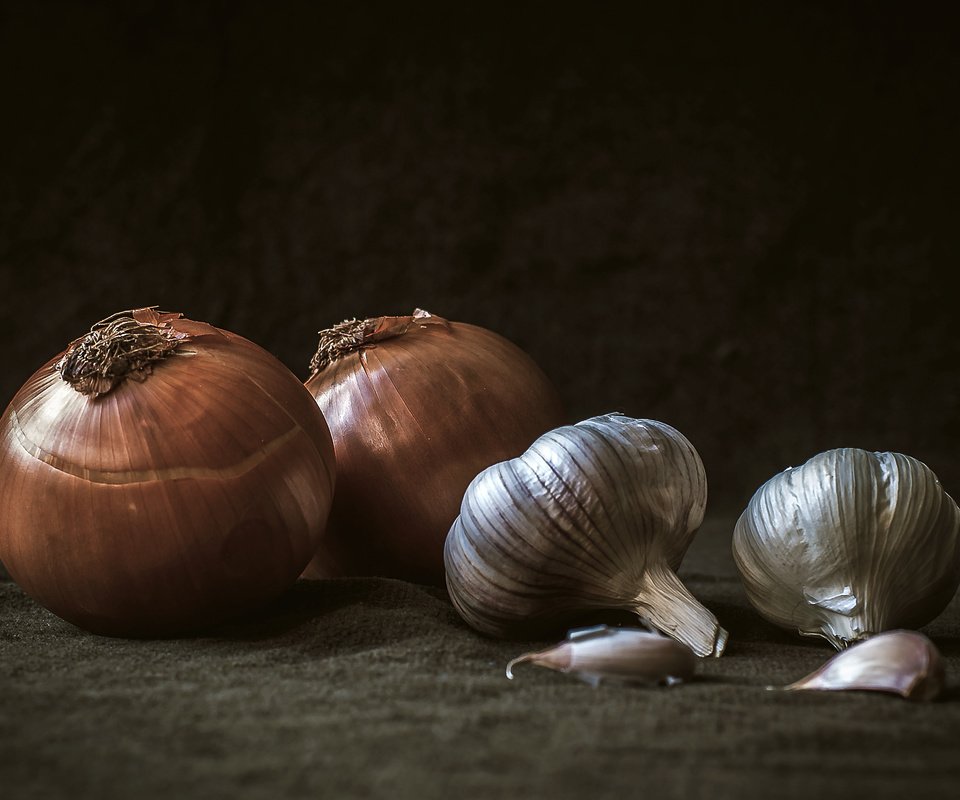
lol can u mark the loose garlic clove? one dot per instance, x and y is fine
(592, 517)
(850, 544)
(627, 655)
(900, 662)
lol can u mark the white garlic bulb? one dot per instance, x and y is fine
(850, 544)
(621, 655)
(592, 516)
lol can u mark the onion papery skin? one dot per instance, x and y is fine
(167, 504)
(415, 415)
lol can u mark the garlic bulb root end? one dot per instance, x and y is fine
(720, 645)
(837, 641)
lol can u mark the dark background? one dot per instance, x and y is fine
(739, 220)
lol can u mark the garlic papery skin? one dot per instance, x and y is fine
(626, 655)
(850, 544)
(906, 663)
(594, 516)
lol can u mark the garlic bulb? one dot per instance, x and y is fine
(592, 516)
(906, 663)
(628, 655)
(850, 544)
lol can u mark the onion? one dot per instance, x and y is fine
(159, 476)
(417, 407)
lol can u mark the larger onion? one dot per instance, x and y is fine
(417, 407)
(159, 476)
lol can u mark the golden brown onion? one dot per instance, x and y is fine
(417, 407)
(159, 476)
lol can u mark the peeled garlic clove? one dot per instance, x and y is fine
(850, 544)
(906, 663)
(629, 655)
(594, 516)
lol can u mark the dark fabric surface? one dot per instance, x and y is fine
(374, 688)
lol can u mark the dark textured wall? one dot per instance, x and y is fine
(739, 221)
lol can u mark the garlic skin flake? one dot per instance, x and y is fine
(627, 655)
(906, 663)
(850, 544)
(592, 516)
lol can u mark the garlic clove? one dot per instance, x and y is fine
(906, 663)
(850, 544)
(627, 655)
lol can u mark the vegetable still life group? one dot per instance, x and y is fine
(161, 476)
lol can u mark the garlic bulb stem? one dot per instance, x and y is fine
(668, 606)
